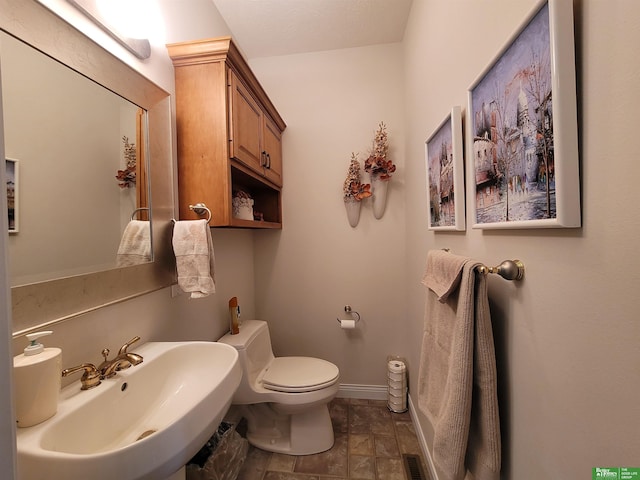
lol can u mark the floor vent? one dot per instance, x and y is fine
(413, 467)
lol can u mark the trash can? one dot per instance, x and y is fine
(221, 457)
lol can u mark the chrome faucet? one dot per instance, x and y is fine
(123, 360)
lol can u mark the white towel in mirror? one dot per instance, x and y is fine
(135, 245)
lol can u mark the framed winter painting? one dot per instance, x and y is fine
(445, 174)
(11, 170)
(522, 140)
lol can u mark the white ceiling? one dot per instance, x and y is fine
(265, 28)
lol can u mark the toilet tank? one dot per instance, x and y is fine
(253, 344)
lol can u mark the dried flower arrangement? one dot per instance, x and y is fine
(127, 177)
(377, 164)
(353, 188)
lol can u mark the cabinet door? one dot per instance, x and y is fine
(245, 126)
(272, 142)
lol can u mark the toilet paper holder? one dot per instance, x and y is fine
(349, 310)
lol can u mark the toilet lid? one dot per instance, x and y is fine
(299, 374)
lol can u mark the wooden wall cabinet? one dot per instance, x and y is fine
(229, 134)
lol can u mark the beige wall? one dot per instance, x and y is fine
(332, 102)
(567, 336)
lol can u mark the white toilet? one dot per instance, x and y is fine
(284, 399)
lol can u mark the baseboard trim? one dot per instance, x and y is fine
(371, 392)
(422, 440)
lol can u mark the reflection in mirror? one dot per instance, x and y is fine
(45, 303)
(72, 137)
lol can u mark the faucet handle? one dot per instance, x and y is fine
(105, 362)
(123, 348)
(90, 377)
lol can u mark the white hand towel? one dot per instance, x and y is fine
(135, 245)
(193, 248)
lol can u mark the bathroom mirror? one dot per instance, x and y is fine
(73, 292)
(70, 137)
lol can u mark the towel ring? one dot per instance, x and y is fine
(133, 214)
(200, 209)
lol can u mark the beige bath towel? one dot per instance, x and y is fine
(195, 261)
(135, 245)
(457, 387)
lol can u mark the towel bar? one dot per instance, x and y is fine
(509, 269)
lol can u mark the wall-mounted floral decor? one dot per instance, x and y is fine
(127, 177)
(354, 191)
(380, 169)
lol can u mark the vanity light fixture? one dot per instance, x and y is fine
(140, 47)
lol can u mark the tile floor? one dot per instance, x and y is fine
(369, 443)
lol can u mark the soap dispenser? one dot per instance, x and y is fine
(234, 313)
(36, 381)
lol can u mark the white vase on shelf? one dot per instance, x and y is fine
(353, 210)
(242, 208)
(379, 189)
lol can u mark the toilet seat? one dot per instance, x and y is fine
(299, 374)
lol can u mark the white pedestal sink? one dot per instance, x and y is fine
(144, 423)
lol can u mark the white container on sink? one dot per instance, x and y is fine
(36, 381)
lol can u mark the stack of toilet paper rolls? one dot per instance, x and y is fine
(397, 373)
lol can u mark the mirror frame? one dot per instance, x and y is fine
(46, 303)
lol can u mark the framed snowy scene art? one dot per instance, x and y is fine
(445, 174)
(11, 169)
(522, 140)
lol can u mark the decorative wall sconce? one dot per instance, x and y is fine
(380, 168)
(354, 191)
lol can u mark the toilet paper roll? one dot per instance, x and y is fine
(347, 324)
(396, 366)
(396, 376)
